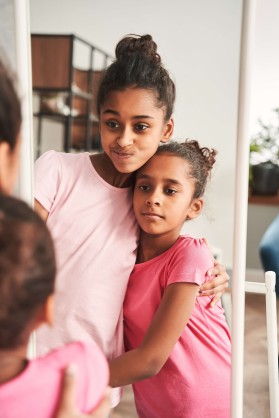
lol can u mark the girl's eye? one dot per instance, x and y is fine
(141, 127)
(112, 124)
(144, 187)
(171, 191)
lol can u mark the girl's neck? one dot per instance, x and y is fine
(12, 363)
(152, 246)
(104, 167)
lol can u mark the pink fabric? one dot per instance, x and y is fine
(35, 392)
(195, 380)
(95, 235)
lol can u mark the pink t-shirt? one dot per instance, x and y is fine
(195, 380)
(35, 392)
(95, 235)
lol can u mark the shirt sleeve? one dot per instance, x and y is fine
(92, 371)
(190, 262)
(47, 177)
(95, 368)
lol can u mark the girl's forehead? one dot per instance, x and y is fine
(166, 164)
(139, 97)
(168, 159)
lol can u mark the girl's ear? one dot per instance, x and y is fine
(46, 312)
(49, 310)
(4, 166)
(9, 163)
(168, 130)
(194, 209)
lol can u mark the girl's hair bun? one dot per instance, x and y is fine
(137, 45)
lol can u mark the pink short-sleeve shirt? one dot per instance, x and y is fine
(35, 392)
(95, 235)
(195, 380)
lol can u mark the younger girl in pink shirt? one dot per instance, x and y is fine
(13, 362)
(31, 388)
(172, 337)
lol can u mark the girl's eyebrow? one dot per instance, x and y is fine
(114, 112)
(147, 177)
(143, 176)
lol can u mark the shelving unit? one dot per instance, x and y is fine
(269, 200)
(66, 71)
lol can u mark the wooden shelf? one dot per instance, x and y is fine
(263, 200)
(54, 74)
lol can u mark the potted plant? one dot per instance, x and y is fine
(264, 158)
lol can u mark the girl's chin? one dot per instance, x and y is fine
(126, 169)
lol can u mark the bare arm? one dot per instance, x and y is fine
(40, 210)
(164, 331)
(67, 407)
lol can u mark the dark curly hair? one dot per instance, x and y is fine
(138, 65)
(27, 269)
(200, 159)
(10, 108)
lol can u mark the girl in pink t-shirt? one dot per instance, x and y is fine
(31, 388)
(12, 361)
(178, 347)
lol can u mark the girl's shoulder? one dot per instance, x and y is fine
(190, 260)
(58, 166)
(57, 157)
(80, 352)
(90, 362)
(188, 242)
(190, 250)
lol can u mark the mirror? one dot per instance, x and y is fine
(199, 44)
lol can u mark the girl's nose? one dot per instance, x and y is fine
(153, 200)
(125, 138)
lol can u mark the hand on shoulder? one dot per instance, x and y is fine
(67, 407)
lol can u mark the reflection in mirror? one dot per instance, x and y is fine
(206, 106)
(203, 111)
(200, 48)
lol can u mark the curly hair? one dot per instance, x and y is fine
(200, 159)
(138, 65)
(10, 109)
(27, 269)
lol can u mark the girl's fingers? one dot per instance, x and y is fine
(103, 409)
(67, 407)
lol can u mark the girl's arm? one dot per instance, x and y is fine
(40, 210)
(164, 331)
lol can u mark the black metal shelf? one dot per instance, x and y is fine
(54, 74)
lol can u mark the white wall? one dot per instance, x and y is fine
(7, 33)
(199, 43)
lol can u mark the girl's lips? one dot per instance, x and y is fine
(120, 154)
(151, 215)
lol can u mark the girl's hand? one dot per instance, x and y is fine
(217, 285)
(67, 407)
